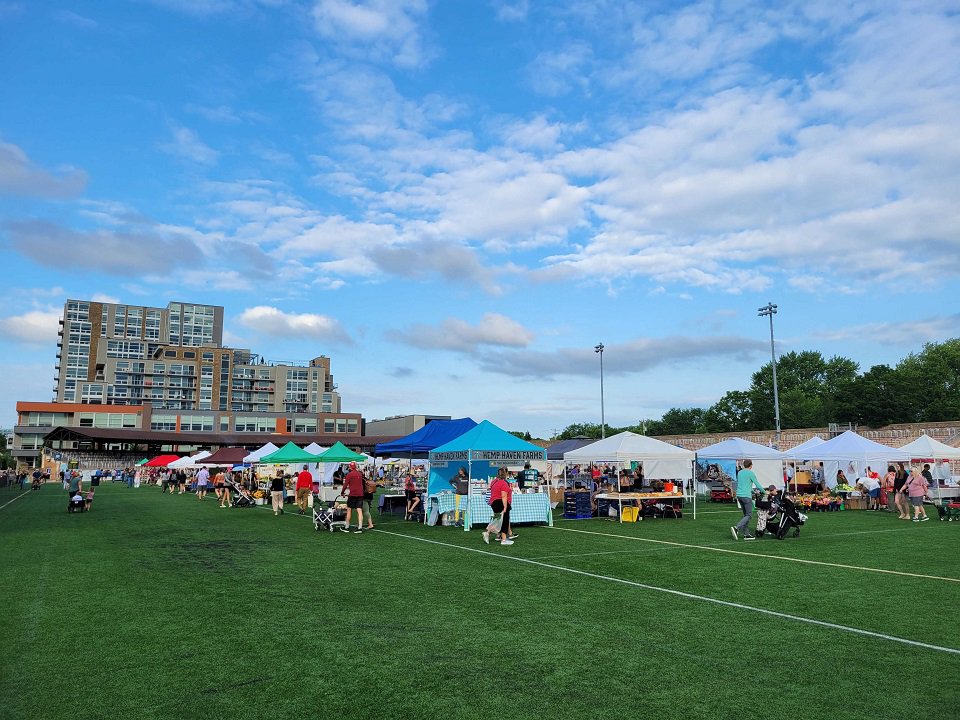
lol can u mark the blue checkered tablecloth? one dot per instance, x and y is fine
(525, 507)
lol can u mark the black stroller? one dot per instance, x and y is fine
(331, 517)
(77, 504)
(777, 516)
(241, 497)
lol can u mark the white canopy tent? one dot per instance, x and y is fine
(322, 472)
(853, 454)
(767, 462)
(260, 452)
(805, 450)
(661, 461)
(925, 448)
(189, 462)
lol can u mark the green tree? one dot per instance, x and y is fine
(680, 421)
(731, 413)
(806, 384)
(590, 430)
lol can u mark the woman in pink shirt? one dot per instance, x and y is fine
(916, 489)
(500, 496)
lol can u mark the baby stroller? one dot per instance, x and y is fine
(789, 517)
(241, 496)
(77, 504)
(779, 513)
(331, 517)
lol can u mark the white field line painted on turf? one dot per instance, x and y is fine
(763, 555)
(605, 552)
(15, 499)
(689, 596)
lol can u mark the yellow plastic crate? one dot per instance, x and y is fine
(630, 514)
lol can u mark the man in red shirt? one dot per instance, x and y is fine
(304, 487)
(353, 489)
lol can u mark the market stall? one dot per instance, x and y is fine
(799, 454)
(926, 449)
(853, 453)
(660, 461)
(482, 451)
(767, 462)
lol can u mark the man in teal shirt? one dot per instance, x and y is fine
(746, 481)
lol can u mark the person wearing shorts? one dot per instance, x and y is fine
(916, 489)
(353, 489)
(203, 477)
(413, 499)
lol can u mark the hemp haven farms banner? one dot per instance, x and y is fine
(491, 456)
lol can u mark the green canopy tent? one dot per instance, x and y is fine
(289, 454)
(143, 462)
(340, 453)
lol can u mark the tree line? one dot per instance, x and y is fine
(814, 392)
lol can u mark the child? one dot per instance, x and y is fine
(767, 508)
(88, 500)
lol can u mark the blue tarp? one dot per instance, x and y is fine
(481, 451)
(430, 436)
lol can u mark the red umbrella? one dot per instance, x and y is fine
(162, 460)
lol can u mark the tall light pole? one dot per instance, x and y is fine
(770, 310)
(603, 422)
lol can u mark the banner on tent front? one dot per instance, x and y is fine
(491, 456)
(439, 463)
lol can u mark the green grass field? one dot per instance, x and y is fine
(157, 606)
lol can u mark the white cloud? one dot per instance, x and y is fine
(273, 321)
(458, 335)
(104, 298)
(381, 29)
(20, 176)
(511, 10)
(35, 327)
(71, 18)
(187, 145)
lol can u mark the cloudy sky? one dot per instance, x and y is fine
(457, 199)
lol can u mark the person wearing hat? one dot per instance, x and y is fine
(303, 487)
(353, 489)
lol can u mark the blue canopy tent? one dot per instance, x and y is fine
(482, 451)
(556, 451)
(418, 444)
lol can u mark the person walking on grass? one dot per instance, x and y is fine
(304, 487)
(413, 499)
(746, 482)
(276, 493)
(203, 478)
(500, 496)
(916, 489)
(353, 489)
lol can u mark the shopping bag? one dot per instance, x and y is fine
(496, 523)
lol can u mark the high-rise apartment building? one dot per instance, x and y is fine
(169, 368)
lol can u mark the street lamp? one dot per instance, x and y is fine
(603, 422)
(770, 310)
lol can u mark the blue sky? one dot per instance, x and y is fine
(456, 201)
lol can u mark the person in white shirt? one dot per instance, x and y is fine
(872, 487)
